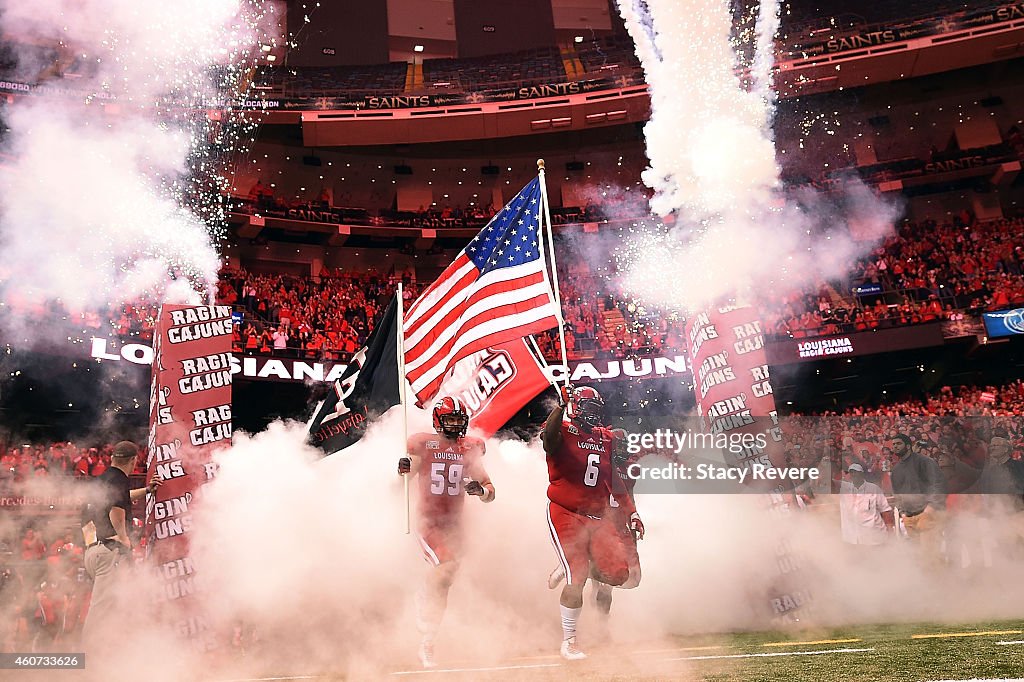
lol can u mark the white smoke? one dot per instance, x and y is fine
(713, 167)
(311, 555)
(83, 221)
(95, 210)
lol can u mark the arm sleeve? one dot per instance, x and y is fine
(414, 445)
(552, 433)
(622, 496)
(124, 501)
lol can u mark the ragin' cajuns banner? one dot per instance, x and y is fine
(190, 418)
(495, 383)
(734, 394)
(732, 381)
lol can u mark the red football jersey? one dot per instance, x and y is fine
(622, 494)
(443, 463)
(581, 474)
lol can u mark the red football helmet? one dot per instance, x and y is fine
(586, 406)
(450, 417)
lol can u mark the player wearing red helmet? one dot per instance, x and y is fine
(447, 467)
(583, 487)
(624, 524)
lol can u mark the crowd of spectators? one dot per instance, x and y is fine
(951, 425)
(327, 318)
(601, 324)
(44, 593)
(331, 316)
(924, 272)
(22, 463)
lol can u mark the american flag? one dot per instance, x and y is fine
(496, 290)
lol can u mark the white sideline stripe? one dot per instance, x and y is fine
(477, 670)
(771, 654)
(1016, 641)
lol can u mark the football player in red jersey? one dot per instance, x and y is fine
(623, 523)
(447, 467)
(583, 524)
(602, 592)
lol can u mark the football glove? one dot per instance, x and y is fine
(637, 526)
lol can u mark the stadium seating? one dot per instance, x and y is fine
(315, 82)
(474, 75)
(925, 272)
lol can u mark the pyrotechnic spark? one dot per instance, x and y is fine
(713, 164)
(142, 139)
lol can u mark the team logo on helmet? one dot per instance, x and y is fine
(450, 417)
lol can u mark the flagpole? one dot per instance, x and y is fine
(532, 344)
(554, 268)
(401, 394)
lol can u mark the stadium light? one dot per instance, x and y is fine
(417, 48)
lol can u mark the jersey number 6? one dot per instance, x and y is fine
(590, 475)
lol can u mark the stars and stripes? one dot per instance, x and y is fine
(496, 290)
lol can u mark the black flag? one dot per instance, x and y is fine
(366, 390)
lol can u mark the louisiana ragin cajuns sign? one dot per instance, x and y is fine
(190, 418)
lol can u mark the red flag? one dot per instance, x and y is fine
(495, 383)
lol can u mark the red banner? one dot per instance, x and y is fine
(732, 382)
(190, 417)
(495, 383)
(734, 394)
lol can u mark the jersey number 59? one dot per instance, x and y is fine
(437, 479)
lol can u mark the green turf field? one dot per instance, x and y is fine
(913, 652)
